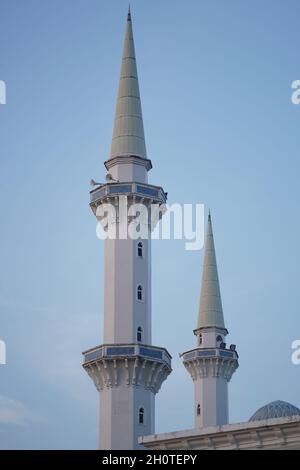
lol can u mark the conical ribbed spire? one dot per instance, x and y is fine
(128, 135)
(210, 311)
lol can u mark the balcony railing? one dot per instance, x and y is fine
(127, 350)
(209, 353)
(143, 190)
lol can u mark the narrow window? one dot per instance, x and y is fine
(139, 334)
(200, 339)
(141, 416)
(140, 250)
(198, 410)
(140, 293)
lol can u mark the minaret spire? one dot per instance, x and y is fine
(128, 135)
(210, 309)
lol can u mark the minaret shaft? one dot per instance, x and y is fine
(124, 271)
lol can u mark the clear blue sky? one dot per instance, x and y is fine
(215, 81)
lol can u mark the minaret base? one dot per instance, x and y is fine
(211, 370)
(128, 377)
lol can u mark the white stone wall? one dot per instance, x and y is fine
(129, 172)
(119, 412)
(124, 271)
(212, 395)
(278, 433)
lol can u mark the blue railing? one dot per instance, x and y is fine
(143, 190)
(106, 351)
(207, 353)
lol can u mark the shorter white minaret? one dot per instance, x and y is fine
(211, 364)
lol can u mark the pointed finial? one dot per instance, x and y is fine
(209, 215)
(129, 14)
(128, 135)
(210, 310)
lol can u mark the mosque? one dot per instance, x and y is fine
(127, 369)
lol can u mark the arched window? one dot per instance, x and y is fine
(140, 250)
(139, 334)
(219, 339)
(139, 293)
(200, 339)
(141, 416)
(198, 410)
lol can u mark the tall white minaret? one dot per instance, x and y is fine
(211, 364)
(127, 370)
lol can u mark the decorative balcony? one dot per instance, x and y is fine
(216, 362)
(136, 365)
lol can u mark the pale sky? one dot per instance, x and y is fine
(220, 127)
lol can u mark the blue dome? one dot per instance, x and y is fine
(275, 409)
